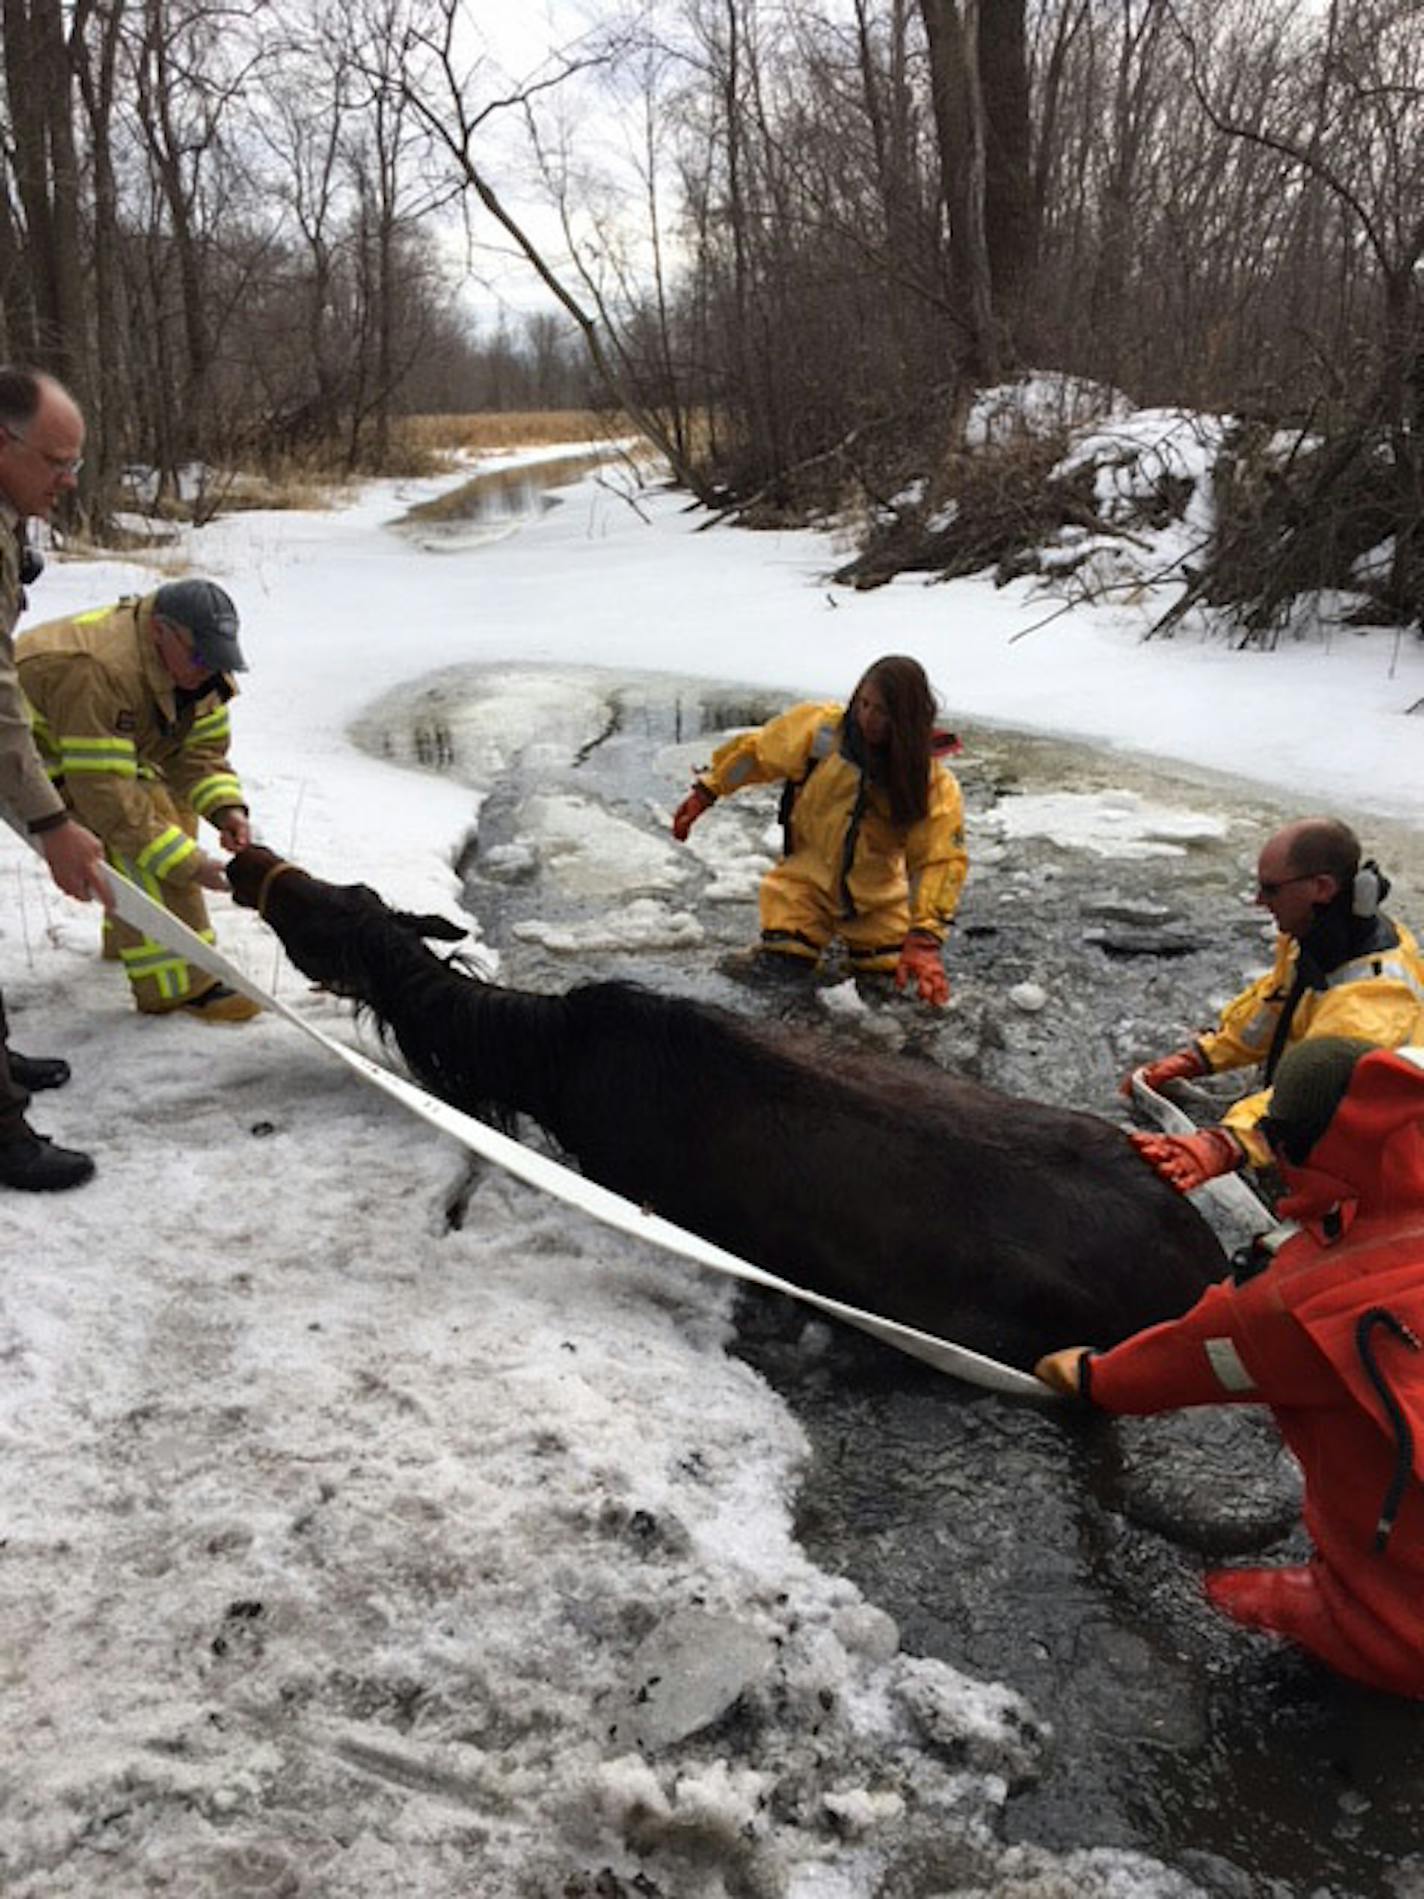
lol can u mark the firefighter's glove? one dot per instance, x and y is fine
(920, 964)
(1188, 1161)
(1065, 1372)
(698, 800)
(1180, 1065)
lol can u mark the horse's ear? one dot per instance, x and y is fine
(428, 925)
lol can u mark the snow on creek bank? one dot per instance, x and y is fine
(376, 1528)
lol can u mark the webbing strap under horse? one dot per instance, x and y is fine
(562, 1183)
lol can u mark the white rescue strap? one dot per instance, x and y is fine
(1228, 1192)
(537, 1170)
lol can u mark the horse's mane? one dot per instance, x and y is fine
(490, 1051)
(499, 1052)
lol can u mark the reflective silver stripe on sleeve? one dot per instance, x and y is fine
(1225, 1361)
(1377, 968)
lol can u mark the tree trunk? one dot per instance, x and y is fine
(110, 404)
(953, 38)
(1010, 209)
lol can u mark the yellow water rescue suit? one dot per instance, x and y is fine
(1353, 976)
(849, 871)
(135, 756)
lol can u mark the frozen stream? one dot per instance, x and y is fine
(1108, 913)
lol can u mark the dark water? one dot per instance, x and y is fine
(1060, 1554)
(492, 502)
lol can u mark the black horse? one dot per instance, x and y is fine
(994, 1222)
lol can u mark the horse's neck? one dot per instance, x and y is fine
(473, 1043)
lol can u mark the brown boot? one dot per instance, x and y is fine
(221, 1004)
(216, 1003)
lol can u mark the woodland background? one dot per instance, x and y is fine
(790, 242)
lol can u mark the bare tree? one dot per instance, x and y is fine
(40, 93)
(437, 86)
(1357, 136)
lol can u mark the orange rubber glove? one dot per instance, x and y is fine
(920, 962)
(698, 800)
(1188, 1161)
(1180, 1065)
(1063, 1371)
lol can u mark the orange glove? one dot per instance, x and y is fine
(1063, 1371)
(920, 962)
(698, 800)
(1188, 1161)
(1178, 1066)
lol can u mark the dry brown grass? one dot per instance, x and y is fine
(288, 485)
(515, 428)
(293, 486)
(312, 479)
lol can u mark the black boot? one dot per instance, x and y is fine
(34, 1164)
(35, 1072)
(768, 968)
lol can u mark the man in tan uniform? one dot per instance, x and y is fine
(41, 440)
(130, 716)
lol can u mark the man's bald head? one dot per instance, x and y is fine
(1303, 867)
(41, 440)
(1320, 847)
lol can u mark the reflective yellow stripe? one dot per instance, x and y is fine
(107, 757)
(136, 875)
(153, 962)
(93, 616)
(212, 792)
(213, 727)
(169, 849)
(44, 744)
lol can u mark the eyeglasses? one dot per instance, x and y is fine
(61, 464)
(1268, 890)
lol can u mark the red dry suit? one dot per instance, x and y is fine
(1330, 1334)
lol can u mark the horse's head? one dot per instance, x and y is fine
(330, 931)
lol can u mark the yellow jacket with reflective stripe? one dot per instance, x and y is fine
(106, 717)
(929, 856)
(1376, 997)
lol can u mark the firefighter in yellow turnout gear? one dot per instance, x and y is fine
(874, 827)
(130, 710)
(1342, 967)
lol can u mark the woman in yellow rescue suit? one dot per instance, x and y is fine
(874, 827)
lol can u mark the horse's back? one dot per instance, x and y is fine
(1000, 1222)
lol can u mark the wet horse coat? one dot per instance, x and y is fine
(998, 1223)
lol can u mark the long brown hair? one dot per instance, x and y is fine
(903, 767)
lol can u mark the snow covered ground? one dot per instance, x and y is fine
(351, 1551)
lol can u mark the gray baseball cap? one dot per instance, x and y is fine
(208, 616)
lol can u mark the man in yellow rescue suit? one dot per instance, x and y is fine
(1342, 968)
(874, 827)
(130, 716)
